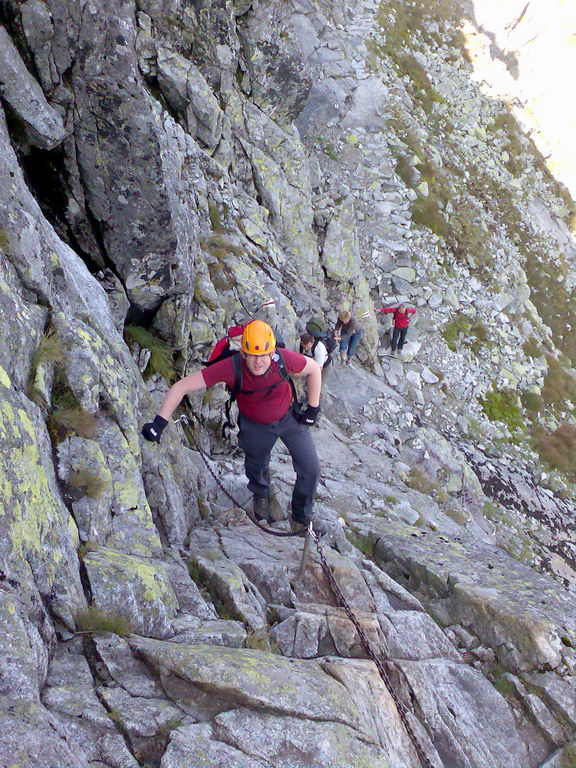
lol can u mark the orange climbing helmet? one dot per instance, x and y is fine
(258, 338)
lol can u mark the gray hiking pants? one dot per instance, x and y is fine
(257, 441)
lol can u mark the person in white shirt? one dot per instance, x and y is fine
(316, 349)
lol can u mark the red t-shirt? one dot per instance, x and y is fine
(268, 405)
(401, 319)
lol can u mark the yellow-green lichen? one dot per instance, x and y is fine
(4, 378)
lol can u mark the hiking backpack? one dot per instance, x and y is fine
(229, 344)
(223, 348)
(321, 332)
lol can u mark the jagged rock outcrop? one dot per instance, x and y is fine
(169, 168)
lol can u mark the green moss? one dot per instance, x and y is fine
(503, 685)
(362, 543)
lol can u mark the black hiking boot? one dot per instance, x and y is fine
(300, 524)
(261, 508)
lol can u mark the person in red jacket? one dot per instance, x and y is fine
(267, 412)
(401, 318)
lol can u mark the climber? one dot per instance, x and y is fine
(401, 319)
(267, 412)
(316, 348)
(348, 334)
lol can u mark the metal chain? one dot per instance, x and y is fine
(400, 706)
(192, 437)
(377, 659)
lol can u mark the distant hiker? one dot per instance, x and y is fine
(348, 334)
(316, 348)
(266, 404)
(401, 319)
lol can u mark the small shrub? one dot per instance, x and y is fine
(502, 405)
(465, 330)
(4, 240)
(558, 448)
(532, 402)
(559, 384)
(331, 151)
(532, 348)
(551, 296)
(427, 212)
(506, 123)
(161, 353)
(95, 619)
(405, 170)
(90, 483)
(424, 91)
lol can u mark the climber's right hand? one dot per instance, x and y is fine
(153, 430)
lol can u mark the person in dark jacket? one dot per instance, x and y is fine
(402, 315)
(348, 334)
(265, 402)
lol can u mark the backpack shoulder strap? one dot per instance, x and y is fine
(236, 387)
(238, 378)
(285, 375)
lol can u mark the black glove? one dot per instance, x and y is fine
(153, 430)
(308, 416)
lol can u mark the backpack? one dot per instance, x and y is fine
(223, 348)
(321, 332)
(229, 344)
(236, 389)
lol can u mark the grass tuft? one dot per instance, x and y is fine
(89, 483)
(161, 353)
(259, 640)
(75, 420)
(95, 619)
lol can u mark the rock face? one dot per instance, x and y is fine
(169, 168)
